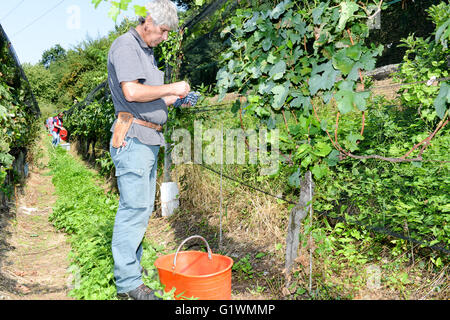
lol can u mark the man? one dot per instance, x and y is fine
(57, 126)
(140, 99)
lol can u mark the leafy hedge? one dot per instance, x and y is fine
(18, 109)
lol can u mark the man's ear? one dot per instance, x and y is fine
(149, 21)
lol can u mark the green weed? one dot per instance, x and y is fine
(85, 212)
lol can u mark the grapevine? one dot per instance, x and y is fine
(297, 57)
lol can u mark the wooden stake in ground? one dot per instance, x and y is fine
(298, 213)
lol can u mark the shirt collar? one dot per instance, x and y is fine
(139, 39)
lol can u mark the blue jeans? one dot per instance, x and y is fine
(136, 165)
(56, 138)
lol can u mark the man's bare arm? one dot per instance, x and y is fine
(136, 92)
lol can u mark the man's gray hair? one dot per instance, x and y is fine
(162, 12)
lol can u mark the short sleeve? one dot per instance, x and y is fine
(127, 64)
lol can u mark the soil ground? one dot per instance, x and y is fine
(33, 254)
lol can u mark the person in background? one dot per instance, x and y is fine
(49, 125)
(57, 126)
(140, 100)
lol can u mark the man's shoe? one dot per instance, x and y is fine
(140, 293)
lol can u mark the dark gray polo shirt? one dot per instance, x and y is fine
(130, 59)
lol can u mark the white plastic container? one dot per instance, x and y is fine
(169, 198)
(65, 146)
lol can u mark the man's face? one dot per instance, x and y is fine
(154, 35)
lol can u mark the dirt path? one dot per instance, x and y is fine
(33, 254)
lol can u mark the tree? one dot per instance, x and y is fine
(42, 82)
(53, 54)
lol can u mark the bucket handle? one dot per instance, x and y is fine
(186, 240)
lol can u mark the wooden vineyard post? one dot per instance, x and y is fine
(169, 189)
(298, 213)
(167, 153)
(167, 163)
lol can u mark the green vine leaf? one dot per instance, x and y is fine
(280, 9)
(300, 101)
(348, 8)
(266, 87)
(344, 101)
(140, 11)
(250, 25)
(333, 158)
(443, 34)
(224, 79)
(278, 70)
(442, 100)
(96, 3)
(325, 81)
(267, 44)
(318, 11)
(319, 171)
(294, 180)
(360, 100)
(342, 62)
(354, 52)
(280, 94)
(113, 13)
(346, 98)
(322, 149)
(351, 141)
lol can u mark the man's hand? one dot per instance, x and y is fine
(169, 100)
(181, 89)
(190, 100)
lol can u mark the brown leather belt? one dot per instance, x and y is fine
(123, 124)
(150, 125)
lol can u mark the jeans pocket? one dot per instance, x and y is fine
(115, 152)
(134, 187)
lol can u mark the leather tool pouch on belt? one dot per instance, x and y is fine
(123, 124)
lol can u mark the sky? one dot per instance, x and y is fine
(34, 26)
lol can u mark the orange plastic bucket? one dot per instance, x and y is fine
(195, 274)
(63, 134)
